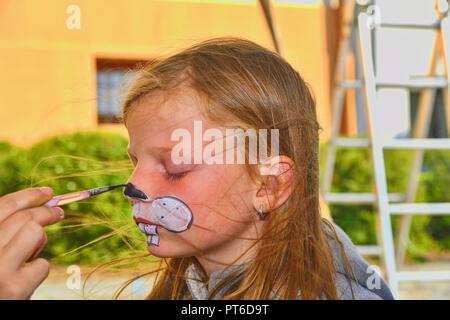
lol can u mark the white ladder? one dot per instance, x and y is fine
(341, 86)
(380, 143)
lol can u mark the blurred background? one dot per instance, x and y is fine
(64, 66)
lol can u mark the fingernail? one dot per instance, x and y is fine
(46, 190)
(59, 211)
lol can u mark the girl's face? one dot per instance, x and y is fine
(220, 196)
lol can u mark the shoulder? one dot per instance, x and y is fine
(363, 280)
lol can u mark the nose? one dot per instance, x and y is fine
(138, 185)
(132, 191)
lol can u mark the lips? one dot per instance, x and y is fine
(142, 220)
(146, 226)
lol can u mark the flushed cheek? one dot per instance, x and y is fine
(214, 226)
(209, 230)
(192, 241)
(226, 193)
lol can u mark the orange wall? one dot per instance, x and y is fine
(47, 72)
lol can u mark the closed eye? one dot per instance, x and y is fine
(175, 176)
(177, 172)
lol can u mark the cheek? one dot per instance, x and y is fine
(208, 231)
(198, 239)
(223, 205)
(221, 202)
(219, 194)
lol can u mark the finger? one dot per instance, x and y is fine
(42, 215)
(33, 274)
(23, 244)
(22, 283)
(46, 215)
(23, 199)
(39, 248)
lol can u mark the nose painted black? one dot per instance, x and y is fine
(133, 192)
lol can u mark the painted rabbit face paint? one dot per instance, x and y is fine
(168, 212)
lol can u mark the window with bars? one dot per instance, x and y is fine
(112, 77)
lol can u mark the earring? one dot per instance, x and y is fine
(261, 213)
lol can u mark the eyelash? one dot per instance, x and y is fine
(169, 176)
(176, 176)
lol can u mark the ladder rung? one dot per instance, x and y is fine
(369, 250)
(416, 144)
(352, 142)
(420, 208)
(359, 197)
(423, 275)
(350, 84)
(419, 83)
(435, 25)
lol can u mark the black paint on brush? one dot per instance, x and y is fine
(133, 192)
(96, 191)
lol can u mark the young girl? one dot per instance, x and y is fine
(233, 230)
(244, 233)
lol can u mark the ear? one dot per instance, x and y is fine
(276, 183)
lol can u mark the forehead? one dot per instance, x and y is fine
(178, 103)
(154, 117)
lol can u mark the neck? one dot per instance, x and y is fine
(233, 252)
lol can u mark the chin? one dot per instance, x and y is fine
(160, 252)
(168, 250)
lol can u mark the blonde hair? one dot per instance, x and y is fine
(242, 82)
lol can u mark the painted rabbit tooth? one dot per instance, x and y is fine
(150, 229)
(153, 240)
(142, 227)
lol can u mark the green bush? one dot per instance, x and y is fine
(5, 148)
(434, 187)
(428, 235)
(76, 162)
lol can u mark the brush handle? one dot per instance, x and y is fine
(79, 195)
(67, 198)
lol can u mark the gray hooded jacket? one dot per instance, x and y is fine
(365, 282)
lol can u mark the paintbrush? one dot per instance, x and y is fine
(79, 195)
